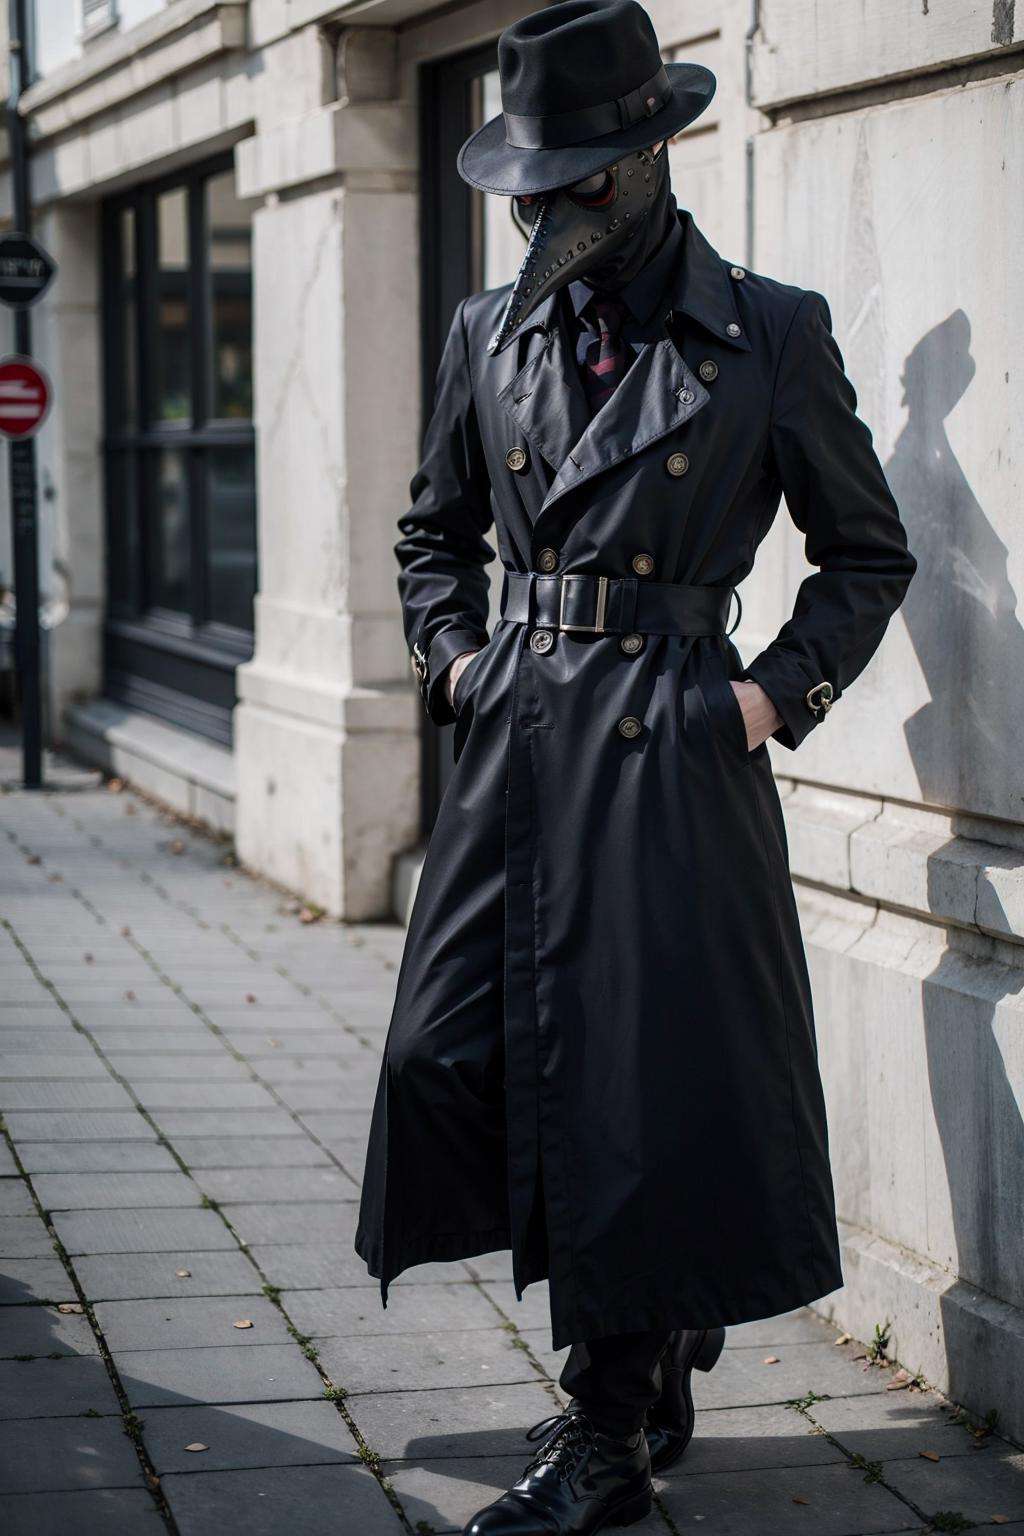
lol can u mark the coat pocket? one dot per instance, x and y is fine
(723, 713)
(462, 686)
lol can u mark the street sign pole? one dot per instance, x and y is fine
(24, 517)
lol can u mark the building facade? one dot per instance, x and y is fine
(261, 238)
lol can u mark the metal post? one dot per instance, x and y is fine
(24, 518)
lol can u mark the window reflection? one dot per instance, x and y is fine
(229, 263)
(231, 531)
(172, 400)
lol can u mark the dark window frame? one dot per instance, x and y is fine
(179, 665)
(449, 268)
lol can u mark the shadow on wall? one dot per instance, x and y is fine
(961, 615)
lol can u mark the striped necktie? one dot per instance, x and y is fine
(607, 357)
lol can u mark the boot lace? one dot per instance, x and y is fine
(565, 1436)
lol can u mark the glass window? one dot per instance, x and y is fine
(180, 449)
(231, 531)
(172, 396)
(229, 258)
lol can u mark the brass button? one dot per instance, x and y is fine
(737, 273)
(547, 560)
(708, 370)
(631, 645)
(732, 329)
(685, 396)
(643, 564)
(541, 641)
(515, 459)
(677, 463)
(629, 726)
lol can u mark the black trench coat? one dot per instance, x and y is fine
(602, 1052)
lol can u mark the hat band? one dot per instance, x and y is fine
(556, 130)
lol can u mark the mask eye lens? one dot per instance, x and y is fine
(593, 191)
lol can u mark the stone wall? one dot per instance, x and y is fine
(887, 176)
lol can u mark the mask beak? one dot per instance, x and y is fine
(566, 240)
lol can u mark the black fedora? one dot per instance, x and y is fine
(581, 83)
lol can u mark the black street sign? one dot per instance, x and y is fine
(26, 270)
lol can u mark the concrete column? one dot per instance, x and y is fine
(66, 339)
(327, 728)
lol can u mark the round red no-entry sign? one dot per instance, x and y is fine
(25, 396)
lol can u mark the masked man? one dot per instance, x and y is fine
(602, 1054)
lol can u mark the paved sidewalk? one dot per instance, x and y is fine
(188, 1342)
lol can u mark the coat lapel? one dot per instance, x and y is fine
(657, 395)
(545, 398)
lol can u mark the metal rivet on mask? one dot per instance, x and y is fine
(581, 245)
(629, 173)
(614, 224)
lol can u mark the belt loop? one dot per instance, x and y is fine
(627, 618)
(504, 591)
(734, 593)
(531, 601)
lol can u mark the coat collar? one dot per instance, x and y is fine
(658, 394)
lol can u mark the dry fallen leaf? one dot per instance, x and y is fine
(33, 858)
(197, 1445)
(126, 932)
(183, 1274)
(115, 785)
(176, 846)
(307, 915)
(797, 1499)
(89, 959)
(250, 997)
(1000, 1519)
(243, 1322)
(896, 1386)
(130, 996)
(929, 1455)
(771, 1359)
(844, 1338)
(70, 1306)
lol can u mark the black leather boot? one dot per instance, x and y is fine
(580, 1481)
(670, 1419)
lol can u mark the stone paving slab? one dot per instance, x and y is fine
(140, 1231)
(978, 1487)
(190, 1322)
(50, 1063)
(97, 1125)
(467, 1421)
(243, 1186)
(741, 1378)
(295, 1151)
(60, 1454)
(302, 1501)
(139, 1276)
(15, 1199)
(248, 1435)
(351, 1311)
(44, 1331)
(298, 1222)
(94, 1156)
(217, 1374)
(753, 1439)
(77, 1384)
(99, 1512)
(23, 1280)
(762, 1503)
(24, 1237)
(414, 1361)
(68, 1093)
(114, 1191)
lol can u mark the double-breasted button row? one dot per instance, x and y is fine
(677, 463)
(515, 460)
(708, 370)
(541, 641)
(631, 645)
(643, 563)
(547, 561)
(630, 727)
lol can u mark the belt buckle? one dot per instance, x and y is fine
(597, 628)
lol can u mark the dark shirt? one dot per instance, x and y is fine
(641, 296)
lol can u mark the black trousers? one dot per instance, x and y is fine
(616, 1379)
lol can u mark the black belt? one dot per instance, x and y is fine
(614, 605)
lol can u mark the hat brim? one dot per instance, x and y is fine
(488, 162)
